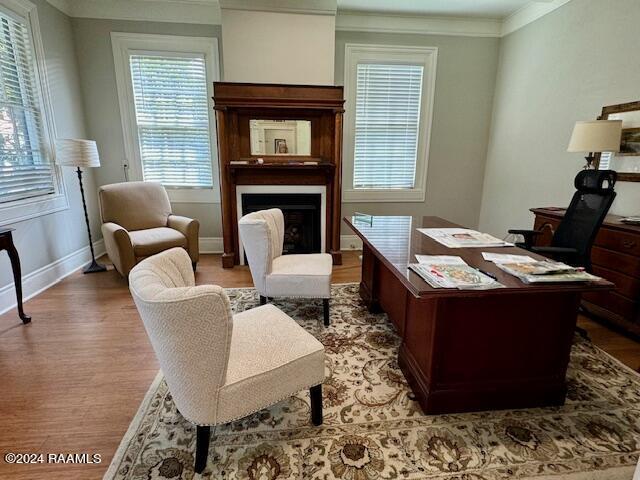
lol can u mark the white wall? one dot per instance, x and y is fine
(46, 239)
(561, 68)
(270, 47)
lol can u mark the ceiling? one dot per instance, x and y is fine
(453, 8)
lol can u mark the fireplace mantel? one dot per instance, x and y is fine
(235, 105)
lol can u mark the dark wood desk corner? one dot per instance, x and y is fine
(6, 243)
(615, 256)
(468, 350)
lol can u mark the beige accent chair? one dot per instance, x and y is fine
(277, 275)
(137, 222)
(221, 367)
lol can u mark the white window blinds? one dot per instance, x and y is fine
(387, 124)
(170, 94)
(25, 168)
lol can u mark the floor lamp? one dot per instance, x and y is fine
(71, 152)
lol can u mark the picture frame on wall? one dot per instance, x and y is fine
(626, 162)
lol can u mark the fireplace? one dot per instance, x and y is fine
(281, 140)
(304, 208)
(302, 218)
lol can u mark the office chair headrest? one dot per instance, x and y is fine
(595, 181)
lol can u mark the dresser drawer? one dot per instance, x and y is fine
(628, 243)
(620, 262)
(626, 286)
(614, 303)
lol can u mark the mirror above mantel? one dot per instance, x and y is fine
(280, 137)
(626, 162)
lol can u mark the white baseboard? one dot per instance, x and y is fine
(211, 245)
(44, 277)
(350, 242)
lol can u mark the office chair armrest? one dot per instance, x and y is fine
(528, 236)
(525, 233)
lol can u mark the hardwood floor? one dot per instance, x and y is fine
(73, 379)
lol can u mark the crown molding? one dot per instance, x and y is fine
(309, 7)
(208, 12)
(531, 12)
(174, 11)
(417, 24)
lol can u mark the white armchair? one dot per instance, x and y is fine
(220, 367)
(276, 275)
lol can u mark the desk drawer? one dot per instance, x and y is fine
(619, 241)
(614, 303)
(626, 286)
(619, 262)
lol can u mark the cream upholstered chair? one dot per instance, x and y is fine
(277, 275)
(220, 367)
(137, 222)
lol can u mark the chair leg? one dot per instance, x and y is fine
(203, 433)
(263, 300)
(194, 265)
(316, 404)
(325, 307)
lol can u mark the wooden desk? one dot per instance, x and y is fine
(466, 350)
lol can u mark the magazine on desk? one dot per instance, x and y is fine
(444, 271)
(546, 272)
(463, 238)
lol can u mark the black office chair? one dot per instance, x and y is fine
(572, 241)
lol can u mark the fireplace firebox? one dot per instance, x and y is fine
(302, 217)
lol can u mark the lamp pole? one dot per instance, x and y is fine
(94, 266)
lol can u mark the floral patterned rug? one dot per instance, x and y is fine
(374, 430)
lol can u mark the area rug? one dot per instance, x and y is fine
(373, 429)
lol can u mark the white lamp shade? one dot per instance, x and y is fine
(73, 152)
(596, 136)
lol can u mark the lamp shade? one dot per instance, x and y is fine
(73, 152)
(596, 136)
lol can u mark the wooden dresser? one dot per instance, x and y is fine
(616, 257)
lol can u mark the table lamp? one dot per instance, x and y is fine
(595, 136)
(72, 152)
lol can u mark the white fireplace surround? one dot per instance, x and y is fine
(283, 189)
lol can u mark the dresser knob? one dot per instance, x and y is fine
(628, 243)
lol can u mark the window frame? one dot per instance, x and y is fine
(388, 54)
(125, 43)
(27, 208)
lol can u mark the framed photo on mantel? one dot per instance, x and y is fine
(626, 162)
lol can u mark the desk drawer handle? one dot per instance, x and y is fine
(628, 243)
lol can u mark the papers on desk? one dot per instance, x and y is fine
(463, 238)
(506, 258)
(444, 271)
(546, 272)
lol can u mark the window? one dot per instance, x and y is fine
(29, 181)
(389, 94)
(164, 86)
